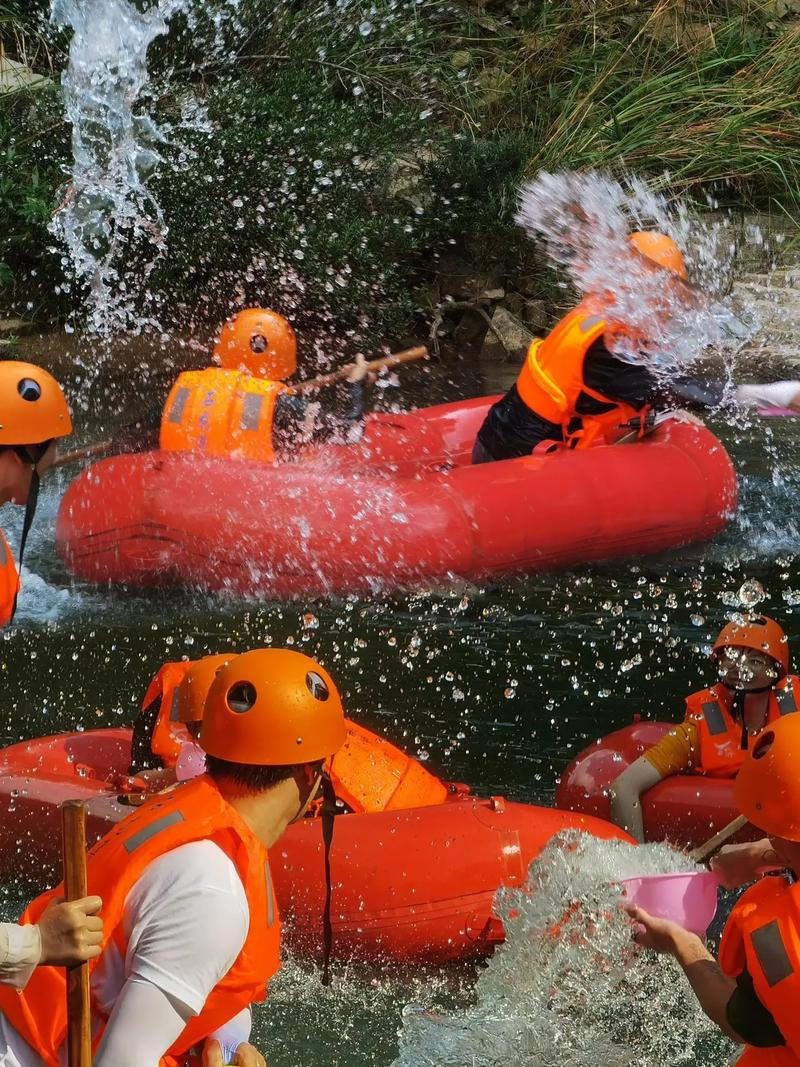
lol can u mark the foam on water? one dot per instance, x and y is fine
(569, 988)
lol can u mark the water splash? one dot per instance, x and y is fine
(569, 988)
(584, 221)
(109, 215)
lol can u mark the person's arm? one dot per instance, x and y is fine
(626, 792)
(231, 1044)
(737, 865)
(712, 987)
(20, 953)
(66, 934)
(128, 1043)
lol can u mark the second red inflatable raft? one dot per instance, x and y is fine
(403, 507)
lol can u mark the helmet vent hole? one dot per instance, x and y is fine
(28, 389)
(764, 744)
(317, 686)
(258, 342)
(241, 697)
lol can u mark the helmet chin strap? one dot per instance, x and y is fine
(737, 708)
(32, 456)
(328, 815)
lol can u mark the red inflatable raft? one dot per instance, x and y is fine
(402, 507)
(413, 885)
(686, 809)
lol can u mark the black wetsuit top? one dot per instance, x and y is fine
(511, 429)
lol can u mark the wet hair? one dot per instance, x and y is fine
(251, 777)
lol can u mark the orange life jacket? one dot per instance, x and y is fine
(370, 774)
(762, 936)
(168, 734)
(9, 582)
(720, 752)
(191, 812)
(551, 379)
(222, 413)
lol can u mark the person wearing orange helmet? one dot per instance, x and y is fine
(33, 416)
(171, 712)
(246, 408)
(751, 655)
(192, 923)
(752, 993)
(368, 773)
(575, 388)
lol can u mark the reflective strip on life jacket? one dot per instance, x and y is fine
(221, 413)
(9, 582)
(194, 811)
(720, 752)
(715, 720)
(787, 700)
(552, 378)
(771, 952)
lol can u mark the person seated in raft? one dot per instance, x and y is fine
(573, 388)
(753, 992)
(368, 773)
(247, 409)
(192, 930)
(33, 416)
(753, 691)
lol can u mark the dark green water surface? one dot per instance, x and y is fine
(497, 685)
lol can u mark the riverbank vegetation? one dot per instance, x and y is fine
(362, 153)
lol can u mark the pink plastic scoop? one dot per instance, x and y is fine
(688, 899)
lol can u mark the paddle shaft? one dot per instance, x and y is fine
(89, 452)
(409, 356)
(714, 844)
(79, 1022)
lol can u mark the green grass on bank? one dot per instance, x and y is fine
(356, 144)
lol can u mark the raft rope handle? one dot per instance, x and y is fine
(328, 816)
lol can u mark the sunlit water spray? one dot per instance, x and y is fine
(569, 988)
(109, 214)
(584, 221)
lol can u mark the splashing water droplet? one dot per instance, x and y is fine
(751, 593)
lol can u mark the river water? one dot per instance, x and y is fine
(497, 685)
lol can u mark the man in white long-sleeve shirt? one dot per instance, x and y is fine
(192, 932)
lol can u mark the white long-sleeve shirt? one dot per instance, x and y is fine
(185, 922)
(20, 952)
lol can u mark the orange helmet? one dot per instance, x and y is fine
(661, 250)
(760, 633)
(33, 408)
(767, 788)
(194, 687)
(260, 342)
(273, 707)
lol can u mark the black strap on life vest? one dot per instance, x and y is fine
(30, 454)
(328, 815)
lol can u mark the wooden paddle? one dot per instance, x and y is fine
(410, 355)
(79, 1022)
(714, 844)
